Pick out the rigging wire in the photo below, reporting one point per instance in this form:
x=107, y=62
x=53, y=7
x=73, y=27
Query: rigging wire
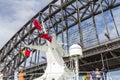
x=104, y=20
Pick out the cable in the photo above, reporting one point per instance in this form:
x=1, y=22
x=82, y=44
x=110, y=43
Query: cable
x=104, y=20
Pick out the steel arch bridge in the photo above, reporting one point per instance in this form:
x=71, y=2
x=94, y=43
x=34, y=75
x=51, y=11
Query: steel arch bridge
x=73, y=21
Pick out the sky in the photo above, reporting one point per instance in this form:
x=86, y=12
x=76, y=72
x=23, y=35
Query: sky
x=14, y=14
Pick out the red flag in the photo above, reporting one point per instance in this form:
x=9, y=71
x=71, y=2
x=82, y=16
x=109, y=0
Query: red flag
x=47, y=37
x=37, y=25
x=27, y=53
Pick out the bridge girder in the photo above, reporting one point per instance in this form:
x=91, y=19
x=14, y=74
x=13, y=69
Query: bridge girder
x=58, y=18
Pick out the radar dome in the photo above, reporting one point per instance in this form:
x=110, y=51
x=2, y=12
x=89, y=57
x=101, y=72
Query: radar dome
x=75, y=50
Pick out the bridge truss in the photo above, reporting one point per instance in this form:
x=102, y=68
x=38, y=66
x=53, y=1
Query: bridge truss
x=73, y=21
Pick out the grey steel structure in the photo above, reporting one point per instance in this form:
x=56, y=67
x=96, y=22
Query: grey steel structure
x=73, y=21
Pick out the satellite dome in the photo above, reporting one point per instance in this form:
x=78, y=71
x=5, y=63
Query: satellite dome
x=75, y=50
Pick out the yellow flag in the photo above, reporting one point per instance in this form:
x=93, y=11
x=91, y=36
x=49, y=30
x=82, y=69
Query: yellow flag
x=22, y=52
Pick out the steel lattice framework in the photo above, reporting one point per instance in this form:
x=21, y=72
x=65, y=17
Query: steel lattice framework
x=65, y=18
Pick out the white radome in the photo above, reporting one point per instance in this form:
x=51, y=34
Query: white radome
x=75, y=50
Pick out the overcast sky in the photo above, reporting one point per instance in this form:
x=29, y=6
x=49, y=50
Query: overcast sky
x=14, y=14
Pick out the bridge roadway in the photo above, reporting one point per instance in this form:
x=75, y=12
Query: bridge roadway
x=110, y=52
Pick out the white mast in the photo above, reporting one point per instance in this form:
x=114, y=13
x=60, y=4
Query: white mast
x=56, y=68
